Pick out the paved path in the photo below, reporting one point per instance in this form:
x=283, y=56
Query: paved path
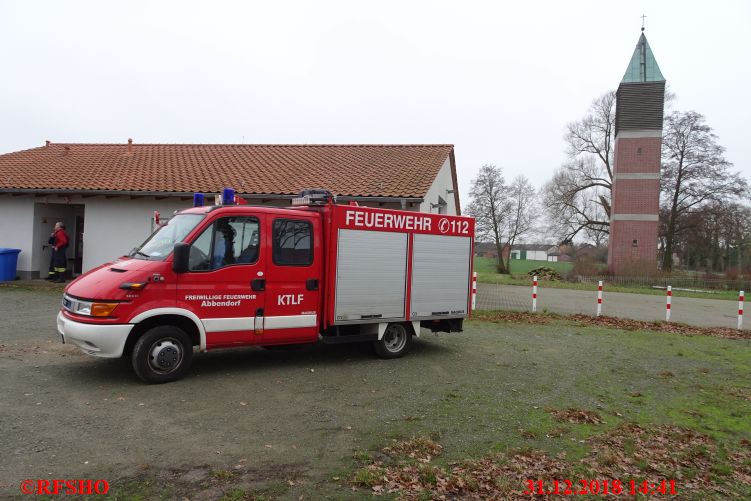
x=700, y=312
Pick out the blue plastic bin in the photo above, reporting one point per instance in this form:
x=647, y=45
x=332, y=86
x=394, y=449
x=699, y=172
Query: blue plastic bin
x=8, y=264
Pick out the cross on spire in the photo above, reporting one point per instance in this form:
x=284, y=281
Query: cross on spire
x=643, y=17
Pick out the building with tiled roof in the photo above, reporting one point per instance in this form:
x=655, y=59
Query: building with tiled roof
x=113, y=189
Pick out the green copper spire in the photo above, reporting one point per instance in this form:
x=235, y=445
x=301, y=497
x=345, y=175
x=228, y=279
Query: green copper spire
x=643, y=66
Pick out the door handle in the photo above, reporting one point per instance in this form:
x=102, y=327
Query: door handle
x=258, y=284
x=312, y=284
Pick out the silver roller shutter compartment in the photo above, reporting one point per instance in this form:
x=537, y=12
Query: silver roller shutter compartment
x=440, y=276
x=371, y=274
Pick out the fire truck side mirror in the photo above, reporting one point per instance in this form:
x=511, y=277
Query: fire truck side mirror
x=180, y=257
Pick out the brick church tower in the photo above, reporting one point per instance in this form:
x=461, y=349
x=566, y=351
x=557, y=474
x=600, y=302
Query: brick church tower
x=632, y=248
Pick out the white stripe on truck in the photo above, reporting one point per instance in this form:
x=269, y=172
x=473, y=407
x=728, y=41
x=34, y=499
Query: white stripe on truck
x=289, y=322
x=228, y=324
x=248, y=323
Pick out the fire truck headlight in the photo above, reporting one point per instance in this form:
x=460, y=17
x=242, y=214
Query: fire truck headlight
x=82, y=308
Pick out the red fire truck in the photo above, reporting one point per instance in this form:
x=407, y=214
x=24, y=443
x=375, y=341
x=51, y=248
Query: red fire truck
x=237, y=275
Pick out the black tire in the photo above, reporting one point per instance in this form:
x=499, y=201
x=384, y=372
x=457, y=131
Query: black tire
x=396, y=341
x=162, y=354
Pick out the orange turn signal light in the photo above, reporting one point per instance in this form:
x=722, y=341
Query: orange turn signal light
x=133, y=286
x=102, y=309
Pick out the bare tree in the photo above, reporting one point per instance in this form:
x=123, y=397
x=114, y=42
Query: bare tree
x=572, y=210
x=503, y=213
x=489, y=207
x=715, y=237
x=578, y=197
x=694, y=173
x=521, y=213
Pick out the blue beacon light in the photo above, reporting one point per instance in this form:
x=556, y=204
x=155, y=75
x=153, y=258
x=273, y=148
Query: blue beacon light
x=228, y=196
x=198, y=200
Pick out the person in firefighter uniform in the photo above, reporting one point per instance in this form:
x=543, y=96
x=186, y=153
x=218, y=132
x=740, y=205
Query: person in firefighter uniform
x=58, y=261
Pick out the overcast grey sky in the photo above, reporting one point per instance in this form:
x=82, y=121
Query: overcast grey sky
x=500, y=80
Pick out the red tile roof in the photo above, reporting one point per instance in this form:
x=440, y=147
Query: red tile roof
x=353, y=170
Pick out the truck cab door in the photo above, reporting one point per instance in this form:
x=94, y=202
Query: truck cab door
x=294, y=280
x=225, y=285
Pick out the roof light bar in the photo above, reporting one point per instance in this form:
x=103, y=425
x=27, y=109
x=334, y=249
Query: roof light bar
x=313, y=197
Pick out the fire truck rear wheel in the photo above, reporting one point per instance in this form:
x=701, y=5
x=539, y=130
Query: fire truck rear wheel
x=162, y=354
x=395, y=343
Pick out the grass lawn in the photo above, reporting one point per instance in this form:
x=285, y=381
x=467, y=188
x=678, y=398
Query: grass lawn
x=487, y=266
x=507, y=387
x=486, y=273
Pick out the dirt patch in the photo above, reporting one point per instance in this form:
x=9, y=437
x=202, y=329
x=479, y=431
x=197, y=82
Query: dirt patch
x=233, y=481
x=612, y=323
x=419, y=448
x=742, y=393
x=578, y=416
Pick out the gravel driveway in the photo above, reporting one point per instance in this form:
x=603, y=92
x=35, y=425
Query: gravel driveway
x=270, y=415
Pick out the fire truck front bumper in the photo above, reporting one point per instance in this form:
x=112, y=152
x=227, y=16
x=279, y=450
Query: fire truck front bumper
x=105, y=341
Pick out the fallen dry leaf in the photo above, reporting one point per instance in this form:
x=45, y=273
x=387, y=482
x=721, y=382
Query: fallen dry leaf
x=579, y=416
x=611, y=322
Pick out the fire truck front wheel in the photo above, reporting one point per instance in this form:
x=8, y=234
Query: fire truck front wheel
x=162, y=354
x=395, y=343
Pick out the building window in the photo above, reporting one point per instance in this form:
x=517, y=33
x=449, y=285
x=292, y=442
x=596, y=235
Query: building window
x=635, y=243
x=293, y=242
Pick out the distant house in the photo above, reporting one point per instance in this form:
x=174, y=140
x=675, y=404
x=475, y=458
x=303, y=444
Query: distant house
x=535, y=252
x=555, y=255
x=486, y=249
x=529, y=252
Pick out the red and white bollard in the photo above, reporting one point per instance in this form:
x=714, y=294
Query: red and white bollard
x=599, y=298
x=474, y=290
x=740, y=310
x=669, y=302
x=534, y=294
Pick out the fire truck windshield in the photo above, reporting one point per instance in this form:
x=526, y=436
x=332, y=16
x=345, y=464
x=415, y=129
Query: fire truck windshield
x=160, y=244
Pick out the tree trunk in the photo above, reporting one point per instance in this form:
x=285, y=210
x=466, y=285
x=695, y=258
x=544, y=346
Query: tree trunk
x=500, y=265
x=667, y=259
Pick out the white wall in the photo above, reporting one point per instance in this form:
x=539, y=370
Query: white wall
x=114, y=226
x=442, y=182
x=532, y=255
x=537, y=255
x=17, y=227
